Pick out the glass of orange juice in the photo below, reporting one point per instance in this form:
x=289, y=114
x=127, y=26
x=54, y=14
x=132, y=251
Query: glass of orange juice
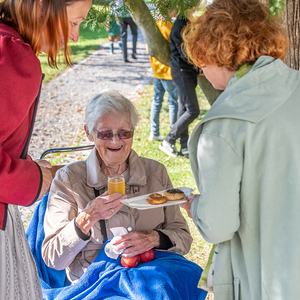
x=116, y=184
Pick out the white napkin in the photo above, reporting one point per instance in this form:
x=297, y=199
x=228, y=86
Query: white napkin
x=187, y=191
x=109, y=249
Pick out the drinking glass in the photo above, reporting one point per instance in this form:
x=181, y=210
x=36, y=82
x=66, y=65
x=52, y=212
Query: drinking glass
x=116, y=184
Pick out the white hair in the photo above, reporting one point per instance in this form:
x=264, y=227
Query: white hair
x=107, y=102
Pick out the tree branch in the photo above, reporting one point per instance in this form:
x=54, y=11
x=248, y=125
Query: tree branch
x=159, y=47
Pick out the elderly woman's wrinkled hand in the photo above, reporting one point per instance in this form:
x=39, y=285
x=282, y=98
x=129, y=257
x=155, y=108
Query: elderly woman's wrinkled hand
x=101, y=208
x=187, y=205
x=137, y=242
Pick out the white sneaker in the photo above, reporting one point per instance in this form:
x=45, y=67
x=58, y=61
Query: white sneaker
x=168, y=148
x=184, y=152
x=153, y=137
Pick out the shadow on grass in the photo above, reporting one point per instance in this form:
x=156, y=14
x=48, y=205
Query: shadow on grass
x=83, y=50
x=87, y=34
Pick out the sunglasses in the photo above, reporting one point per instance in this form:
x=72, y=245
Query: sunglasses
x=108, y=135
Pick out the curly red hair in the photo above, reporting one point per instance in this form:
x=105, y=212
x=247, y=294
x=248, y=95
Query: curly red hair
x=231, y=33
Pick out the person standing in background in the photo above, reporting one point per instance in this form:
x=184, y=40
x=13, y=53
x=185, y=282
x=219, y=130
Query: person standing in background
x=162, y=82
x=114, y=32
x=126, y=20
x=27, y=28
x=185, y=76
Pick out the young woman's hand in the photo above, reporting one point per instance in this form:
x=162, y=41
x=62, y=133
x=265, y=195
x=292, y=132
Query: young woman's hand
x=48, y=172
x=47, y=179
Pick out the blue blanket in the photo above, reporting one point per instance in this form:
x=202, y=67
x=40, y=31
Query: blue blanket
x=168, y=276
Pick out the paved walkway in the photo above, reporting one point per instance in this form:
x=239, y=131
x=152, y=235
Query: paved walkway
x=60, y=117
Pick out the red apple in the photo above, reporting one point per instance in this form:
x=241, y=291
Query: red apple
x=130, y=262
x=147, y=256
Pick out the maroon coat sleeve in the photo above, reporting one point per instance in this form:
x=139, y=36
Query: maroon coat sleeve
x=21, y=75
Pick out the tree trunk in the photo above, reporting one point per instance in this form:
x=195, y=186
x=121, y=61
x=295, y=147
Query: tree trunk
x=209, y=91
x=292, y=22
x=159, y=47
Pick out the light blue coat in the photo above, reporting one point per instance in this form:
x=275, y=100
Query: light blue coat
x=245, y=156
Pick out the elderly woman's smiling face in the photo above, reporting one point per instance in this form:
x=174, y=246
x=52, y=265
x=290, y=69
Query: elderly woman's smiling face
x=115, y=151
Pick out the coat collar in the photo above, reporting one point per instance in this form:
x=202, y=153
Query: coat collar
x=259, y=98
x=135, y=174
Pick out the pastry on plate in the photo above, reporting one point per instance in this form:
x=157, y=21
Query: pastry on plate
x=156, y=198
x=174, y=194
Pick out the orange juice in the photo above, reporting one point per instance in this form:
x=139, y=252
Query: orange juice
x=116, y=184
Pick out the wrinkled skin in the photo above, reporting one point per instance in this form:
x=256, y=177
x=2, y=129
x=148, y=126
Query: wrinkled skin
x=101, y=208
x=137, y=242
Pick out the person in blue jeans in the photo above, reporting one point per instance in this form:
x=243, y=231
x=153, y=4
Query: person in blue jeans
x=126, y=20
x=160, y=87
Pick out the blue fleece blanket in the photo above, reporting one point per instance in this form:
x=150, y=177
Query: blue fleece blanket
x=168, y=276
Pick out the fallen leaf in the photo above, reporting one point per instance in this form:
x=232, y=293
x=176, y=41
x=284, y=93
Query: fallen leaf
x=167, y=159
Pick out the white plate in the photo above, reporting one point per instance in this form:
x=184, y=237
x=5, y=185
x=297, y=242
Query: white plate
x=140, y=202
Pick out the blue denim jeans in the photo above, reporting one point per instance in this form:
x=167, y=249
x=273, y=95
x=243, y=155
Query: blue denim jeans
x=160, y=87
x=134, y=31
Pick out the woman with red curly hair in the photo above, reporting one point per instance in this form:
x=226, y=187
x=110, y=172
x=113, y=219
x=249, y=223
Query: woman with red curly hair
x=27, y=28
x=245, y=152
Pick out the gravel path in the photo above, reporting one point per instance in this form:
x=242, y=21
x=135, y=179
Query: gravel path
x=60, y=116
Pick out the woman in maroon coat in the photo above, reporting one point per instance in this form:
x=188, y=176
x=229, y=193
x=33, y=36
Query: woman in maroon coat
x=27, y=27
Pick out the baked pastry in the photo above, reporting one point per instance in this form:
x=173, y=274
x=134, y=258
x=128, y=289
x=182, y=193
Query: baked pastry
x=174, y=194
x=156, y=198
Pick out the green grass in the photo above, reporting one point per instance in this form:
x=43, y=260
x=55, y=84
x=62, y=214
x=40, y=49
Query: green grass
x=89, y=41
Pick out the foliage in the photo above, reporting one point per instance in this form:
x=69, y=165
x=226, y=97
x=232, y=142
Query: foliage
x=101, y=9
x=97, y=16
x=276, y=6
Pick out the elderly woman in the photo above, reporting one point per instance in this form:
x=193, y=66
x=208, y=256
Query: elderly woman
x=73, y=235
x=245, y=152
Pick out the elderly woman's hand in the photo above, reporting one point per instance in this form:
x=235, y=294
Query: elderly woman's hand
x=187, y=205
x=101, y=208
x=137, y=242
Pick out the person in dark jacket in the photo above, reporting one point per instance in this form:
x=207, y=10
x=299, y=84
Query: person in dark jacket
x=184, y=75
x=126, y=20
